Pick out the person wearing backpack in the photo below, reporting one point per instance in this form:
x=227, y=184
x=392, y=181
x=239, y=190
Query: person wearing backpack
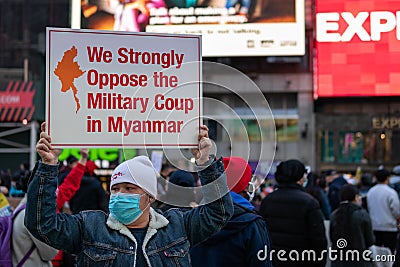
x=17, y=246
x=26, y=250
x=26, y=247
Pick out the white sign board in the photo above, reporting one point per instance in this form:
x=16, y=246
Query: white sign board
x=123, y=89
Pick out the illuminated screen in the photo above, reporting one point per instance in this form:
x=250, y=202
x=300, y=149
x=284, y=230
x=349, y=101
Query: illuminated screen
x=357, y=48
x=228, y=27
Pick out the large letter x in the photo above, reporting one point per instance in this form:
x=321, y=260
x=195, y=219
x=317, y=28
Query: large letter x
x=355, y=26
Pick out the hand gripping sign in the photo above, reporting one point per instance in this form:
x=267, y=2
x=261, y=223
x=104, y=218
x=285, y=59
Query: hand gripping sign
x=123, y=89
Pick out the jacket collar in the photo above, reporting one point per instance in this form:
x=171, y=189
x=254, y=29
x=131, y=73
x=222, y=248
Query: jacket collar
x=157, y=221
x=238, y=199
x=291, y=185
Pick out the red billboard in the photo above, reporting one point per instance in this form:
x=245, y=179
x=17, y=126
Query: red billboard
x=16, y=101
x=357, y=48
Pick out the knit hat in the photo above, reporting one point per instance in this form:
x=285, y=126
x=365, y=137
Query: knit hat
x=182, y=178
x=238, y=173
x=289, y=171
x=138, y=171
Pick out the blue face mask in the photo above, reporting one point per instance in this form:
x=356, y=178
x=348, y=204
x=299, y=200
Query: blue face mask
x=125, y=207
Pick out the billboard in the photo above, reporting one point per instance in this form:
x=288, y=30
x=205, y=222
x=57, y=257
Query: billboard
x=357, y=48
x=16, y=101
x=228, y=27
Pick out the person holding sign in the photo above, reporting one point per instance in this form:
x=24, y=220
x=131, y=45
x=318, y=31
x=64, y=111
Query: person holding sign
x=133, y=234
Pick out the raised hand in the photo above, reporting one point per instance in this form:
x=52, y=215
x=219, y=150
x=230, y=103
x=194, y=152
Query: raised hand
x=44, y=148
x=84, y=155
x=202, y=153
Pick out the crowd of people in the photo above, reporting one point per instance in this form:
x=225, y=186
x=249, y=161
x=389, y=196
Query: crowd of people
x=363, y=212
x=217, y=216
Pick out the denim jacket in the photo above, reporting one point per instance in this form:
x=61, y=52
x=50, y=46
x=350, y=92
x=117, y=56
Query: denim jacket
x=100, y=240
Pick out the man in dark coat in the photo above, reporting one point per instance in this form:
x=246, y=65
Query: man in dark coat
x=91, y=194
x=244, y=240
x=294, y=219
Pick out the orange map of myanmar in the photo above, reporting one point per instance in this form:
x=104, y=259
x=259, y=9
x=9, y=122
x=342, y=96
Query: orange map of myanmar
x=67, y=71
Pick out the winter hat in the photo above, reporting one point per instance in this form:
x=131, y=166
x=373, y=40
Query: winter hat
x=138, y=171
x=289, y=171
x=90, y=167
x=238, y=173
x=182, y=178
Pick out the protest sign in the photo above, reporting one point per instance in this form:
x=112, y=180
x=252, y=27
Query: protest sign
x=122, y=89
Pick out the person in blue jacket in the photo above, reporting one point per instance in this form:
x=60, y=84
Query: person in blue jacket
x=335, y=182
x=133, y=234
x=244, y=241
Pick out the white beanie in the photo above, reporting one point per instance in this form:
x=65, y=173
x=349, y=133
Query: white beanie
x=138, y=171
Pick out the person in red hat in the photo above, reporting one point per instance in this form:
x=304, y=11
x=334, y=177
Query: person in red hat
x=244, y=241
x=239, y=175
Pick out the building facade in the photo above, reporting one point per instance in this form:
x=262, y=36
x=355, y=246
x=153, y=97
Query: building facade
x=284, y=80
x=357, y=85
